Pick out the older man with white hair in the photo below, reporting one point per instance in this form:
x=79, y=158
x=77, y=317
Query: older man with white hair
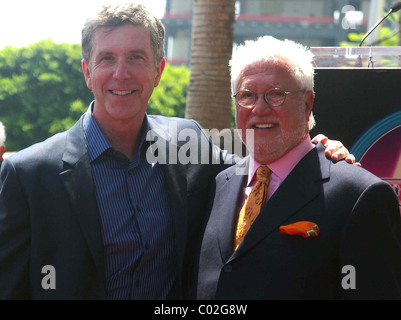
x=296, y=226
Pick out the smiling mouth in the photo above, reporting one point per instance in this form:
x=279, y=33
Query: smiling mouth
x=122, y=93
x=264, y=126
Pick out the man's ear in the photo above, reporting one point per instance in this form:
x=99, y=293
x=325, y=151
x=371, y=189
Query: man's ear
x=309, y=100
x=85, y=70
x=159, y=71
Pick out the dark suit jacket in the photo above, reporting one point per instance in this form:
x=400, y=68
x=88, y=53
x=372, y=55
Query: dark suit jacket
x=49, y=214
x=359, y=220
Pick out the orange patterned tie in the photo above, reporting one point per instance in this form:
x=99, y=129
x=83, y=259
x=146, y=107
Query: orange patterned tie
x=253, y=204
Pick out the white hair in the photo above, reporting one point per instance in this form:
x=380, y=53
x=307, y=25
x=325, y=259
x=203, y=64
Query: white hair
x=2, y=134
x=271, y=50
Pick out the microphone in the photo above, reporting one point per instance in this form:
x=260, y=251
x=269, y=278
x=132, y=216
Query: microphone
x=394, y=8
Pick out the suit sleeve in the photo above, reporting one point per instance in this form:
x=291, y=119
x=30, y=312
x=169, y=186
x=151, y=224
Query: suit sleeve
x=371, y=245
x=14, y=236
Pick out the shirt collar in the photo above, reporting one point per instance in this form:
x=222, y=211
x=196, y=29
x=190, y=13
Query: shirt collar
x=96, y=141
x=283, y=166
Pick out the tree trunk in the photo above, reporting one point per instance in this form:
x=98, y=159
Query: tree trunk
x=209, y=91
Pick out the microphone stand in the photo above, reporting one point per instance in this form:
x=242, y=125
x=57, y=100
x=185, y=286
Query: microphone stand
x=375, y=26
x=394, y=8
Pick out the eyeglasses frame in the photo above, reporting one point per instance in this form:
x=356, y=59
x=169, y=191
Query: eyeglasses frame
x=250, y=107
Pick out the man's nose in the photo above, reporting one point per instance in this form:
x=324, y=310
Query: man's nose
x=261, y=107
x=122, y=71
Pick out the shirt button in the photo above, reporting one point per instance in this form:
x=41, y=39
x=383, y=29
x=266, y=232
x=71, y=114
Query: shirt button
x=228, y=268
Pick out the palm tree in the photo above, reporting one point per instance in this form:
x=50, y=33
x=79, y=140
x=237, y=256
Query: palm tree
x=209, y=93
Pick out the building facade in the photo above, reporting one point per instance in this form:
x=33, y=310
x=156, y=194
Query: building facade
x=313, y=23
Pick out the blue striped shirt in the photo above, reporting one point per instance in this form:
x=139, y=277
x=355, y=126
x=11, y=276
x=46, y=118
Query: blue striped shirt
x=135, y=212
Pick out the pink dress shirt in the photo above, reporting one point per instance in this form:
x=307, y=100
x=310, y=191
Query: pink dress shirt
x=280, y=168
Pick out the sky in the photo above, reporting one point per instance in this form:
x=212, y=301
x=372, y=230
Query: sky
x=23, y=22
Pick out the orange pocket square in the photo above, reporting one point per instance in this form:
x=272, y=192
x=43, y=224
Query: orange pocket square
x=304, y=229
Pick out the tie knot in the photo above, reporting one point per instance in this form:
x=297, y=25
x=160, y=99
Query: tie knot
x=262, y=174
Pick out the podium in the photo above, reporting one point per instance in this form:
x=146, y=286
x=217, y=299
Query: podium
x=358, y=101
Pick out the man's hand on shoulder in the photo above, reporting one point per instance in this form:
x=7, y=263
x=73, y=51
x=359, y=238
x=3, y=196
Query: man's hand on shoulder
x=335, y=150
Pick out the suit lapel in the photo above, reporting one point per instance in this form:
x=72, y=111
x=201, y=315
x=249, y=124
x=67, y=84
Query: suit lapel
x=78, y=182
x=299, y=188
x=176, y=184
x=175, y=174
x=229, y=194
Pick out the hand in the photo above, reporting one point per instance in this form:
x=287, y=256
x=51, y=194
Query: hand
x=335, y=150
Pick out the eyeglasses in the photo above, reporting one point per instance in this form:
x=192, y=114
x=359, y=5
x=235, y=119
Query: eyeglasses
x=275, y=97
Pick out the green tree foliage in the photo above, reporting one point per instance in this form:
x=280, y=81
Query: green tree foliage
x=43, y=91
x=169, y=98
x=388, y=38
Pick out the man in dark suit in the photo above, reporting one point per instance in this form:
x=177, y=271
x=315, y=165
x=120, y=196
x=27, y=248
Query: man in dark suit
x=112, y=208
x=87, y=214
x=326, y=230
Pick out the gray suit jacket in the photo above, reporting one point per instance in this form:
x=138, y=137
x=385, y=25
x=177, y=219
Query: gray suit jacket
x=49, y=214
x=359, y=220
